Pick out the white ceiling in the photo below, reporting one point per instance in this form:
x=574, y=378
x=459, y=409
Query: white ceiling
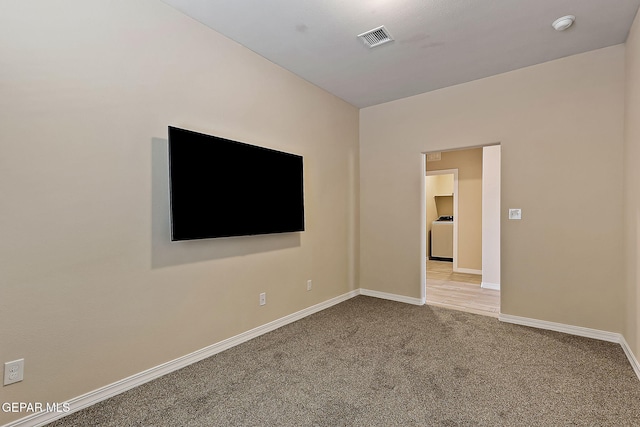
x=438, y=43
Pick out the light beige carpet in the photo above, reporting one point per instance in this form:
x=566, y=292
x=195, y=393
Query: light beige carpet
x=371, y=362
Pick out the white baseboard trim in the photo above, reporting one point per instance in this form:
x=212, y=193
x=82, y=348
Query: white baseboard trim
x=467, y=271
x=489, y=285
x=103, y=393
x=579, y=331
x=561, y=327
x=392, y=297
x=632, y=358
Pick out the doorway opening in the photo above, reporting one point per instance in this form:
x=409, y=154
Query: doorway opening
x=442, y=208
x=461, y=229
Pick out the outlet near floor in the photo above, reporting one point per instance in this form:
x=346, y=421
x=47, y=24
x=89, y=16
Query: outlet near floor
x=13, y=371
x=309, y=285
x=263, y=298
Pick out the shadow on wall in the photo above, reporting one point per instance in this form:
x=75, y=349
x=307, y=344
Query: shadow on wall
x=165, y=253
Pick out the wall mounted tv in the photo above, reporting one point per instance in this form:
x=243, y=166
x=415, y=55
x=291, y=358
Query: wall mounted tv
x=224, y=188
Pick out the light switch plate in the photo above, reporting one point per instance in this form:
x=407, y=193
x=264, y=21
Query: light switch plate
x=515, y=213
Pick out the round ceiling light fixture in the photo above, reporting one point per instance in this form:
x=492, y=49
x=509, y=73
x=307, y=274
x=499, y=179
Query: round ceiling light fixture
x=563, y=23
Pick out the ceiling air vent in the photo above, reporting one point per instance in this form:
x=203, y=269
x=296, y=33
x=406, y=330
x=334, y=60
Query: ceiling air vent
x=376, y=37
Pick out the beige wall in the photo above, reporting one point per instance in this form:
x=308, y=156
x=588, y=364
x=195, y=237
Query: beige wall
x=92, y=291
x=469, y=165
x=632, y=188
x=560, y=125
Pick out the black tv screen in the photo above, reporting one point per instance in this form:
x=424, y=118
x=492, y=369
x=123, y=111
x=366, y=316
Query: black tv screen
x=224, y=188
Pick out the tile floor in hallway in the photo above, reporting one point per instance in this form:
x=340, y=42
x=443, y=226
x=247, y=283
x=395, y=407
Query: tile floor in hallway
x=459, y=291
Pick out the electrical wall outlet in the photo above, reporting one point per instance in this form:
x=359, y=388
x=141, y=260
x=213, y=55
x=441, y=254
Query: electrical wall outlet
x=13, y=371
x=263, y=298
x=309, y=285
x=515, y=213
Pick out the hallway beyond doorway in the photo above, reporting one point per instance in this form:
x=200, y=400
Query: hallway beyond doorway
x=459, y=291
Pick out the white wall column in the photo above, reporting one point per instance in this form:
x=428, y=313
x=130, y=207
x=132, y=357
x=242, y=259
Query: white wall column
x=491, y=217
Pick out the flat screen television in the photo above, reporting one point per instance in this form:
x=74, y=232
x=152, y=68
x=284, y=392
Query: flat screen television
x=224, y=188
